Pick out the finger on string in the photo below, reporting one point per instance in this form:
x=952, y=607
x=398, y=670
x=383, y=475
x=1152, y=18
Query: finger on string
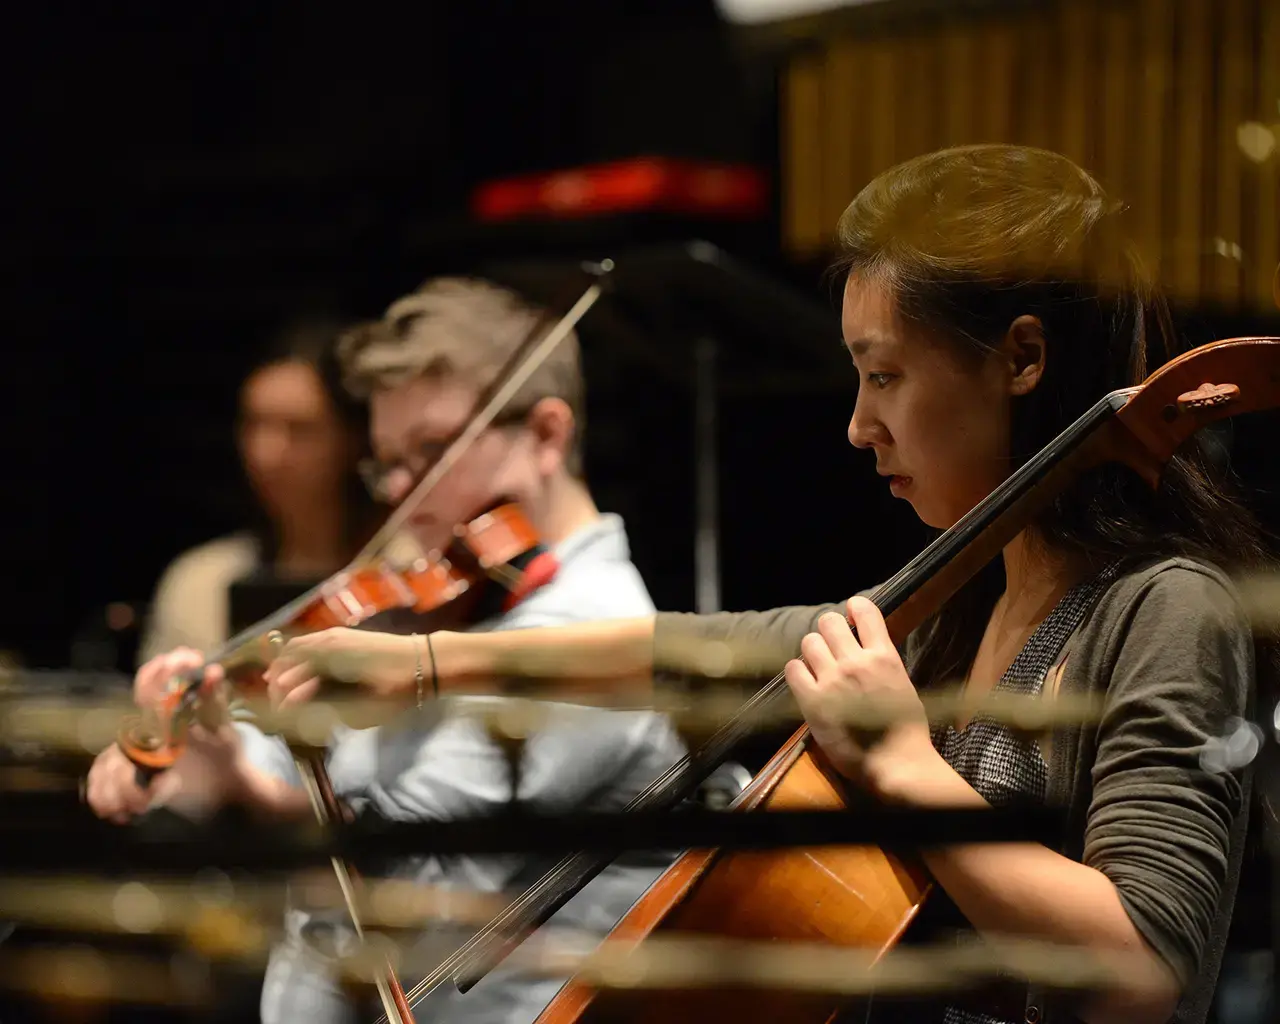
x=151, y=682
x=799, y=677
x=838, y=634
x=818, y=657
x=869, y=623
x=214, y=677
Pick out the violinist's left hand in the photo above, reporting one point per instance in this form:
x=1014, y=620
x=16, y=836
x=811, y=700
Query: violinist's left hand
x=837, y=665
x=382, y=662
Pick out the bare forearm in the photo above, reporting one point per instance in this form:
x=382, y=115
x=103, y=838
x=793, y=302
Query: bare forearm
x=617, y=654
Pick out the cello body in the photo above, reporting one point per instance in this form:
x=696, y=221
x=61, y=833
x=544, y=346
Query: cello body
x=852, y=896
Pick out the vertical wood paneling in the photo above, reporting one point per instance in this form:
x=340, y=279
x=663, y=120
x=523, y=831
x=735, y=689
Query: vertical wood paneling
x=1186, y=245
x=882, y=115
x=912, y=74
x=1234, y=103
x=996, y=53
x=1152, y=160
x=1037, y=121
x=1267, y=174
x=1114, y=165
x=844, y=108
x=958, y=92
x=869, y=92
x=1079, y=66
x=1146, y=94
x=804, y=152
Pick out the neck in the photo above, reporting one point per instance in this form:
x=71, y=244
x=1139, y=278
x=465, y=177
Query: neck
x=311, y=542
x=564, y=508
x=1036, y=576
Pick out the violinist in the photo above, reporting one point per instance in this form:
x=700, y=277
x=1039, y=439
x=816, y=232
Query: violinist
x=300, y=437
x=989, y=299
x=423, y=366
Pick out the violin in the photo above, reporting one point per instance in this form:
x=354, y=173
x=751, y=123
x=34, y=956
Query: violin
x=857, y=897
x=492, y=562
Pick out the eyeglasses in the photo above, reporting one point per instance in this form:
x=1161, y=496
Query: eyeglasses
x=379, y=476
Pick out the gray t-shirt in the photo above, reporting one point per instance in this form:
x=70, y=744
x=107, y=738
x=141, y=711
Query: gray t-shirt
x=427, y=769
x=1169, y=647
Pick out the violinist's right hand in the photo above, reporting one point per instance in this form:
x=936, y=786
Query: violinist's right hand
x=384, y=663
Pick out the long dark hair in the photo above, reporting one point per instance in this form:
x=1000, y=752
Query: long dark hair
x=312, y=341
x=967, y=240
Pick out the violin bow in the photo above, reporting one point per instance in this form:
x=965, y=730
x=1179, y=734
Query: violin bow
x=532, y=351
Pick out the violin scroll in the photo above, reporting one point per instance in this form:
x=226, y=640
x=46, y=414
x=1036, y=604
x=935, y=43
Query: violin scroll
x=155, y=739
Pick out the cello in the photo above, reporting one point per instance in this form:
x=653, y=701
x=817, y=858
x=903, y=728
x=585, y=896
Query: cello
x=861, y=897
x=492, y=562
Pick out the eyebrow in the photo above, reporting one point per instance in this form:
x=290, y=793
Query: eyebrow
x=860, y=346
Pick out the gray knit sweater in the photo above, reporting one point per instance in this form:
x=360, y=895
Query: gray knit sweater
x=1169, y=647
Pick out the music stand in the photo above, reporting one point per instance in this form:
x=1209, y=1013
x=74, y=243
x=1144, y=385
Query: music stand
x=696, y=290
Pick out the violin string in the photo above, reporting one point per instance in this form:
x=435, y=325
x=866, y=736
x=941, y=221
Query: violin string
x=475, y=427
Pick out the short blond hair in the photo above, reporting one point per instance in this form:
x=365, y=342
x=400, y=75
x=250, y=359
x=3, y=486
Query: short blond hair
x=466, y=328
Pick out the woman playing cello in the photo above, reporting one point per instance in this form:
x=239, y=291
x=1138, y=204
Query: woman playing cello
x=989, y=300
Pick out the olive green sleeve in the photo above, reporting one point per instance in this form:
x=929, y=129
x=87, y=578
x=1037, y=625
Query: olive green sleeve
x=1163, y=817
x=741, y=645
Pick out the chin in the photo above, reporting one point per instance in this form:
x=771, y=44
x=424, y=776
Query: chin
x=936, y=518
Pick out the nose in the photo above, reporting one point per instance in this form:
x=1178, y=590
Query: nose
x=267, y=449
x=396, y=485
x=864, y=430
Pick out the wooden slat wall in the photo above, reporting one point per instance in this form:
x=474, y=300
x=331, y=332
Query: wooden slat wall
x=1148, y=95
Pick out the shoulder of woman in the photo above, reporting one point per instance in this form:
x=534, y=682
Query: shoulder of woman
x=1179, y=616
x=1180, y=586
x=216, y=561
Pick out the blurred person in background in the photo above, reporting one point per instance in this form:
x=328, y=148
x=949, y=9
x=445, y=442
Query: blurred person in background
x=300, y=438
x=424, y=366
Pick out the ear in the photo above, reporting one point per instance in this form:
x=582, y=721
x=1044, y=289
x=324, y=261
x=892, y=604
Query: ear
x=551, y=422
x=1024, y=354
